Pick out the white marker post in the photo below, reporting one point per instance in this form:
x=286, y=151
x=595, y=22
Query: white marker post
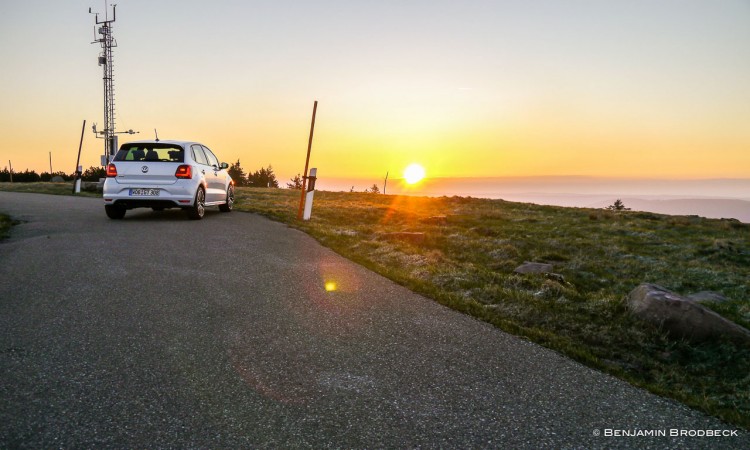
x=77, y=178
x=77, y=188
x=310, y=192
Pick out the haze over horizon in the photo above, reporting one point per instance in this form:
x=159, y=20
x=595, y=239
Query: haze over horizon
x=480, y=88
x=717, y=198
x=571, y=185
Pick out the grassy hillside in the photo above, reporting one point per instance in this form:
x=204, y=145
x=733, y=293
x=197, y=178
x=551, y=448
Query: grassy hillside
x=466, y=262
x=64, y=188
x=467, y=259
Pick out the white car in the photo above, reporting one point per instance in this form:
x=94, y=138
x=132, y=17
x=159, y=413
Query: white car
x=166, y=174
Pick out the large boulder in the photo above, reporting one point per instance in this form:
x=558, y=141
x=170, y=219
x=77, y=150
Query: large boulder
x=707, y=297
x=681, y=316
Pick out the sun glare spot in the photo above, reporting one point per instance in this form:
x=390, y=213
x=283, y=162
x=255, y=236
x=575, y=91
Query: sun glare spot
x=330, y=286
x=414, y=173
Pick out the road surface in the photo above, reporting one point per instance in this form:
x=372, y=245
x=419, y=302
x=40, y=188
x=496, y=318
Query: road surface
x=157, y=331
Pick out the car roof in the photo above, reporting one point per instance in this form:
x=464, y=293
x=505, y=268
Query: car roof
x=162, y=141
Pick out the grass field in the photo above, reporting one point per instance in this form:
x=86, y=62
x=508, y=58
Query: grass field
x=65, y=188
x=466, y=262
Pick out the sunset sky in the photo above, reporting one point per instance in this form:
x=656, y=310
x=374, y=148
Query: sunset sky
x=650, y=89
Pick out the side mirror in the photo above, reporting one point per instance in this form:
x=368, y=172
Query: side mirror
x=224, y=166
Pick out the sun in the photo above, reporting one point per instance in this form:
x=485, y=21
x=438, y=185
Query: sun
x=414, y=173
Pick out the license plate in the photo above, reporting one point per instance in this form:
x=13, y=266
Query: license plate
x=144, y=192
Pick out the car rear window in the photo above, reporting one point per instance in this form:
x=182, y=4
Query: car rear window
x=151, y=152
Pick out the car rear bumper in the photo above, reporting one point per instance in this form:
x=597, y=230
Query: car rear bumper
x=178, y=195
x=141, y=203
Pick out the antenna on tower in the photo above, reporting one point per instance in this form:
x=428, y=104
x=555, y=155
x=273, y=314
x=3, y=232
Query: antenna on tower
x=103, y=36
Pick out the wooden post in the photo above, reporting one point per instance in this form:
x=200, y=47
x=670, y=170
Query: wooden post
x=385, y=183
x=50, y=164
x=307, y=163
x=10, y=165
x=80, y=144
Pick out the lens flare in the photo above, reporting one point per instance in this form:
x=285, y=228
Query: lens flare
x=414, y=173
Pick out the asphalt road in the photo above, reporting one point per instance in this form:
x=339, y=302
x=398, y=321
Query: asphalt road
x=157, y=331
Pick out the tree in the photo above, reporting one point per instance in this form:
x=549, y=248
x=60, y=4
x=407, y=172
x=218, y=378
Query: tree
x=238, y=174
x=263, y=178
x=374, y=189
x=46, y=176
x=5, y=175
x=30, y=176
x=27, y=176
x=94, y=173
x=618, y=205
x=295, y=183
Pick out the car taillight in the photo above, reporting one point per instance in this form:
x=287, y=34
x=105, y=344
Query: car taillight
x=184, y=171
x=111, y=170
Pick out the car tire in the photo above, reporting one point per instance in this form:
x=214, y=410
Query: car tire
x=229, y=205
x=198, y=210
x=114, y=212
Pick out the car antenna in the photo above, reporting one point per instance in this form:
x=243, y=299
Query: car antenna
x=157, y=135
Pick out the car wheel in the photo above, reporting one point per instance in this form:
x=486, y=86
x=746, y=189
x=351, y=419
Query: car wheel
x=227, y=207
x=114, y=212
x=198, y=210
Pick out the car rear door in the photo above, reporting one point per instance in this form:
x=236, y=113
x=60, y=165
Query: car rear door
x=206, y=171
x=216, y=182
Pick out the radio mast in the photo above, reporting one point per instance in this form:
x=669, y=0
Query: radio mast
x=103, y=36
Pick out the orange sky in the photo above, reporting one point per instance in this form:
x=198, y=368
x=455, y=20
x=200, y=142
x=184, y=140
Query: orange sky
x=467, y=89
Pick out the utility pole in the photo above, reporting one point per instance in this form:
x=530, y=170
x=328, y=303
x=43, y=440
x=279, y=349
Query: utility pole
x=77, y=177
x=385, y=183
x=307, y=163
x=10, y=165
x=50, y=163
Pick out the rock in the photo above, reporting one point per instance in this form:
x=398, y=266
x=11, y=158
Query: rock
x=90, y=186
x=556, y=277
x=436, y=220
x=405, y=236
x=533, y=267
x=707, y=297
x=682, y=317
x=57, y=179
